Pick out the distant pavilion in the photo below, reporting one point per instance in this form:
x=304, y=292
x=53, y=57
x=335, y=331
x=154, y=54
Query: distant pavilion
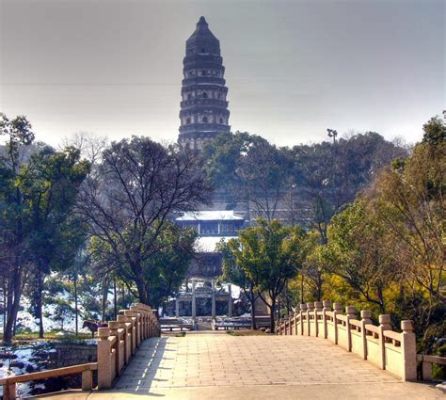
x=199, y=296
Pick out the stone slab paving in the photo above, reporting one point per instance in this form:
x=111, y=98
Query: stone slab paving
x=216, y=366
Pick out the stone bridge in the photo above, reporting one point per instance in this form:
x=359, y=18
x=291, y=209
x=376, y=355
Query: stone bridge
x=319, y=353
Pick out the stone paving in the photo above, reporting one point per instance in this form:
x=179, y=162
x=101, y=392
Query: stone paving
x=221, y=366
x=224, y=360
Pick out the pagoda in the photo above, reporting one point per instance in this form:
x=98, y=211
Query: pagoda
x=204, y=109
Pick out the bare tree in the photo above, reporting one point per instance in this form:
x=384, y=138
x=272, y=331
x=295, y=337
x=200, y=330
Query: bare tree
x=130, y=197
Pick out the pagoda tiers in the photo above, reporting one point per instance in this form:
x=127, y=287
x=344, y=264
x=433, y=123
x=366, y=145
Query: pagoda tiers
x=204, y=109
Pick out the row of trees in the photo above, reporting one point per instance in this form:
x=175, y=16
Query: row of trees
x=322, y=177
x=385, y=251
x=106, y=216
x=38, y=232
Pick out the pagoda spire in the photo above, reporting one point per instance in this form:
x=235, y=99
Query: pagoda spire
x=204, y=109
x=202, y=22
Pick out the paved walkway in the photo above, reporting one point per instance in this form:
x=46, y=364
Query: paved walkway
x=220, y=366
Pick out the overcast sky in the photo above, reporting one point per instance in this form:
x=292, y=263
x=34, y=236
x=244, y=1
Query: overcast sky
x=293, y=68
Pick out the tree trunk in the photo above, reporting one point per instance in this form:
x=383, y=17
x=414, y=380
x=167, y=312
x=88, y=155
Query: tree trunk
x=76, y=310
x=143, y=294
x=104, y=298
x=123, y=304
x=115, y=299
x=272, y=315
x=5, y=303
x=15, y=295
x=252, y=300
x=301, y=288
x=10, y=296
x=253, y=316
x=39, y=302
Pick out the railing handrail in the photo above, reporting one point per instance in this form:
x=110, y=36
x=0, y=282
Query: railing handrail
x=392, y=335
x=372, y=328
x=50, y=373
x=380, y=345
x=117, y=343
x=426, y=362
x=439, y=360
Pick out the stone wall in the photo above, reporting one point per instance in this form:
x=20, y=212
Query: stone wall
x=73, y=354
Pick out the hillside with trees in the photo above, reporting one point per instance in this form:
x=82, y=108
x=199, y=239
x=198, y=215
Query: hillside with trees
x=358, y=219
x=305, y=184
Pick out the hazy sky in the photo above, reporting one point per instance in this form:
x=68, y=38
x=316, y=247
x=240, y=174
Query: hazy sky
x=293, y=68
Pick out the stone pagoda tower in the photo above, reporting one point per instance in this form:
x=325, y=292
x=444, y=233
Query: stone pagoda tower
x=204, y=110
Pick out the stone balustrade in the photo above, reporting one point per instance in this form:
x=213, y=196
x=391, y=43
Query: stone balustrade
x=119, y=341
x=380, y=345
x=117, y=344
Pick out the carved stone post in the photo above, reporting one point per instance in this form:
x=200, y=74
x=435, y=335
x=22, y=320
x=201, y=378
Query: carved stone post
x=327, y=307
x=132, y=321
x=87, y=380
x=366, y=316
x=104, y=365
x=10, y=391
x=337, y=309
x=137, y=315
x=409, y=349
x=351, y=313
x=122, y=320
x=384, y=325
x=119, y=359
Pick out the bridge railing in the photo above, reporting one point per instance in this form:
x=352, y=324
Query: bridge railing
x=117, y=344
x=378, y=344
x=427, y=362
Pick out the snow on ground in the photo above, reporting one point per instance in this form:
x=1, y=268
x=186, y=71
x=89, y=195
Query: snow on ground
x=20, y=365
x=26, y=321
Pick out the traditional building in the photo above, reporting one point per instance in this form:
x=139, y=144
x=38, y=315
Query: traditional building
x=200, y=296
x=204, y=109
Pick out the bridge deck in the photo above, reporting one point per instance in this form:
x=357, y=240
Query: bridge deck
x=220, y=366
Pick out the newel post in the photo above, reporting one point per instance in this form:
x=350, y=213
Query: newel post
x=337, y=309
x=119, y=360
x=104, y=365
x=384, y=325
x=122, y=321
x=137, y=314
x=327, y=307
x=132, y=320
x=142, y=309
x=366, y=319
x=409, y=350
x=10, y=391
x=351, y=313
